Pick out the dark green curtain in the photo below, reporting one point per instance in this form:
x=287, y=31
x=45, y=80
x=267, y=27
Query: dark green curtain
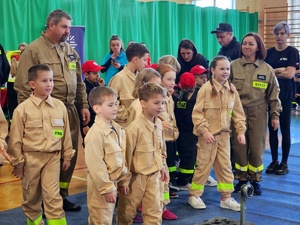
x=161, y=25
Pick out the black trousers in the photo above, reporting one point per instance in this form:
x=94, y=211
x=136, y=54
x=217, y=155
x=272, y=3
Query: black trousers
x=187, y=149
x=285, y=128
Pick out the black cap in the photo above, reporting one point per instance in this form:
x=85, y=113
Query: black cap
x=223, y=27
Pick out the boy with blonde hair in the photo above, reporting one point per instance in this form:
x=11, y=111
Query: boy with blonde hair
x=146, y=157
x=39, y=138
x=105, y=157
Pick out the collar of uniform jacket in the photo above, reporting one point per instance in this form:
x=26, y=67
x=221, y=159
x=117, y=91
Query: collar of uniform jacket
x=149, y=124
x=244, y=62
x=38, y=101
x=218, y=86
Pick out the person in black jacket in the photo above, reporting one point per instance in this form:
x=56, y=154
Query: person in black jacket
x=188, y=57
x=230, y=47
x=4, y=67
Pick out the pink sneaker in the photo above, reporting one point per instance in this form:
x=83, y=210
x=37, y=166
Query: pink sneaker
x=140, y=208
x=168, y=215
x=138, y=219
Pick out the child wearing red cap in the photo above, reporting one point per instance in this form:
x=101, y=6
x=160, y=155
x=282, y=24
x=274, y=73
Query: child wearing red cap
x=200, y=74
x=91, y=72
x=186, y=142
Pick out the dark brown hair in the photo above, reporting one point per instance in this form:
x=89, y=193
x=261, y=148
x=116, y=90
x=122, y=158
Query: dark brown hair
x=262, y=51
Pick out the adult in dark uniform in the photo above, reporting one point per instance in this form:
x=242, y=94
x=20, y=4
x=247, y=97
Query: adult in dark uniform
x=52, y=49
x=230, y=46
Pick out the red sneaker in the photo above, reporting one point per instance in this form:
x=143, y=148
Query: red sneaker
x=140, y=208
x=168, y=215
x=138, y=219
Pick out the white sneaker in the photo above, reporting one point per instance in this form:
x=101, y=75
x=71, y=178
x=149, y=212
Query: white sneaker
x=196, y=202
x=185, y=187
x=211, y=182
x=230, y=203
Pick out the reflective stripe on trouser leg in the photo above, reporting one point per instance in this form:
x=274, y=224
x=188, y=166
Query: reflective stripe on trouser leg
x=37, y=221
x=61, y=221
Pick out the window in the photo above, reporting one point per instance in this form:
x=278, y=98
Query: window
x=223, y=4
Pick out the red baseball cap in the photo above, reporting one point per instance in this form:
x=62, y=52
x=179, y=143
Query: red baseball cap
x=91, y=66
x=187, y=80
x=198, y=69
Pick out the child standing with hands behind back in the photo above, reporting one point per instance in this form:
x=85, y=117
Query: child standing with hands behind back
x=217, y=103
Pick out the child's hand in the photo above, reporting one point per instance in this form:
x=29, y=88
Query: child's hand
x=85, y=129
x=241, y=139
x=208, y=137
x=101, y=82
x=66, y=164
x=111, y=197
x=275, y=124
x=167, y=125
x=297, y=95
x=164, y=175
x=123, y=189
x=18, y=172
x=3, y=155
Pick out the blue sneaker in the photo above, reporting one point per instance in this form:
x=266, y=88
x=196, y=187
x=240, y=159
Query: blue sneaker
x=257, y=188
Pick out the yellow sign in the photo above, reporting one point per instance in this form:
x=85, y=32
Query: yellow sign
x=72, y=66
x=181, y=105
x=58, y=133
x=261, y=85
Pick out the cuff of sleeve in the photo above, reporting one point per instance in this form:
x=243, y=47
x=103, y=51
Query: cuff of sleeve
x=68, y=155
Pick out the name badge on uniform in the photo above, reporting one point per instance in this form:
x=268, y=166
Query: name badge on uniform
x=58, y=133
x=72, y=57
x=181, y=105
x=58, y=122
x=260, y=85
x=72, y=65
x=261, y=77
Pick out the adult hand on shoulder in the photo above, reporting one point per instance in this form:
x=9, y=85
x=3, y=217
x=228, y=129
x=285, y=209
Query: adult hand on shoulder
x=85, y=113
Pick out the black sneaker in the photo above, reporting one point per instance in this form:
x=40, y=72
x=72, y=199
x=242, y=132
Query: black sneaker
x=272, y=167
x=282, y=169
x=257, y=188
x=70, y=206
x=237, y=187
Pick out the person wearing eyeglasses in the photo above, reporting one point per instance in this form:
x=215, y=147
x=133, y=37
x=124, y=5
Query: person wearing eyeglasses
x=115, y=60
x=285, y=61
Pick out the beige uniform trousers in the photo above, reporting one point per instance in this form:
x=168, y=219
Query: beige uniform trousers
x=249, y=157
x=65, y=176
x=216, y=154
x=145, y=189
x=41, y=181
x=100, y=211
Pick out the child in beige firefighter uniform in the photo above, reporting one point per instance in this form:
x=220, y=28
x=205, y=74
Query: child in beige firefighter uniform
x=39, y=138
x=258, y=88
x=146, y=157
x=105, y=158
x=123, y=82
x=217, y=103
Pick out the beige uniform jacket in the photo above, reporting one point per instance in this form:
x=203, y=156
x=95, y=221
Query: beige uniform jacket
x=134, y=110
x=123, y=84
x=65, y=64
x=256, y=84
x=145, y=146
x=39, y=126
x=214, y=114
x=105, y=156
x=168, y=115
x=3, y=129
